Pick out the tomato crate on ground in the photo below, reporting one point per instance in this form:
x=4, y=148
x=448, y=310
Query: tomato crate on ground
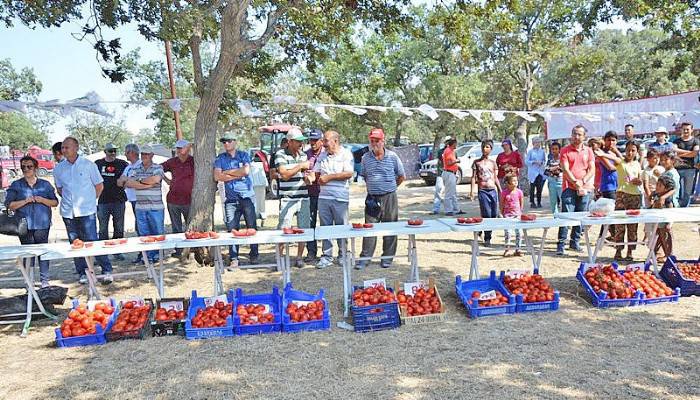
x=290, y=295
x=407, y=319
x=141, y=333
x=601, y=300
x=175, y=327
x=674, y=277
x=272, y=299
x=522, y=307
x=86, y=340
x=644, y=300
x=192, y=332
x=376, y=317
x=465, y=289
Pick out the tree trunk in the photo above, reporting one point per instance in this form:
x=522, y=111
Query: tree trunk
x=397, y=137
x=436, y=143
x=204, y=189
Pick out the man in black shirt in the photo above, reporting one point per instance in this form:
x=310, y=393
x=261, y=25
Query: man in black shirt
x=112, y=200
x=687, y=148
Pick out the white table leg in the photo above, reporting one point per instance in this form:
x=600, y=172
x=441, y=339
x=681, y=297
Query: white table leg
x=530, y=249
x=287, y=269
x=413, y=257
x=348, y=264
x=541, y=249
x=218, y=268
x=27, y=271
x=161, y=279
x=651, y=243
x=599, y=243
x=151, y=272
x=474, y=271
x=92, y=280
x=585, y=229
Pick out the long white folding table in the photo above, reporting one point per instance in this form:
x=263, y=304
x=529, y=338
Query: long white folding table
x=496, y=224
x=26, y=256
x=618, y=217
x=63, y=250
x=261, y=237
x=399, y=228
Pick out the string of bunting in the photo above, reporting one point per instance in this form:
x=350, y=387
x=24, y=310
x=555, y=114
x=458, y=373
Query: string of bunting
x=92, y=103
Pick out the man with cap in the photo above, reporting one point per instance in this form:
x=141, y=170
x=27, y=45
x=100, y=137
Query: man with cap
x=316, y=149
x=383, y=172
x=181, y=168
x=146, y=179
x=661, y=145
x=112, y=199
x=79, y=184
x=438, y=198
x=292, y=163
x=232, y=167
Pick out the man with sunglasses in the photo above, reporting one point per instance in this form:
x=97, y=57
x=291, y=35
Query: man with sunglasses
x=113, y=198
x=79, y=184
x=232, y=167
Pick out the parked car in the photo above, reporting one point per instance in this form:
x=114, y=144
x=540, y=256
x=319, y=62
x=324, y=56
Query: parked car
x=467, y=153
x=426, y=152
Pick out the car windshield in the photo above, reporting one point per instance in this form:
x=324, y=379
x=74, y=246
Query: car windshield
x=463, y=150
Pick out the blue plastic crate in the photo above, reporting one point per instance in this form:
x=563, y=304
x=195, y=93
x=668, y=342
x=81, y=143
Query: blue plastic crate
x=291, y=295
x=465, y=289
x=674, y=298
x=522, y=307
x=273, y=299
x=206, y=333
x=376, y=317
x=601, y=300
x=86, y=340
x=674, y=278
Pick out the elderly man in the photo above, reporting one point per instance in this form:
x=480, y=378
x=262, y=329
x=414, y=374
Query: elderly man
x=578, y=166
x=316, y=149
x=383, y=172
x=232, y=167
x=333, y=171
x=294, y=196
x=80, y=184
x=133, y=156
x=181, y=168
x=146, y=180
x=687, y=148
x=113, y=197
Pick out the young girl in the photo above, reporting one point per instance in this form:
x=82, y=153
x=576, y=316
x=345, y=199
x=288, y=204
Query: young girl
x=651, y=173
x=668, y=161
x=484, y=176
x=662, y=197
x=629, y=197
x=512, y=207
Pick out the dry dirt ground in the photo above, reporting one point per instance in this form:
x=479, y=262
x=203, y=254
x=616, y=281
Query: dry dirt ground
x=578, y=352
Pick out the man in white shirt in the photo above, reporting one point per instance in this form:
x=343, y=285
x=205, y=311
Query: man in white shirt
x=79, y=183
x=333, y=171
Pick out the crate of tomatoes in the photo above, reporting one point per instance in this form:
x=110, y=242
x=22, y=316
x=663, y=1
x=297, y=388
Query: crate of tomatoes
x=684, y=274
x=304, y=311
x=420, y=303
x=209, y=317
x=170, y=316
x=374, y=307
x=86, y=324
x=532, y=291
x=607, y=287
x=257, y=313
x=484, y=297
x=653, y=289
x=132, y=320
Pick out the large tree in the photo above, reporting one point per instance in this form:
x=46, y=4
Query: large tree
x=240, y=30
x=17, y=130
x=94, y=132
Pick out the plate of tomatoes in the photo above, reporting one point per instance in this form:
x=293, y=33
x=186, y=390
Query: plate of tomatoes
x=597, y=214
x=151, y=239
x=414, y=223
x=469, y=220
x=292, y=231
x=244, y=232
x=633, y=213
x=199, y=235
x=528, y=218
x=78, y=244
x=362, y=225
x=115, y=242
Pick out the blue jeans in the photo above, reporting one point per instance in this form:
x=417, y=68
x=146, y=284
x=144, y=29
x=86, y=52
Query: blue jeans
x=85, y=229
x=38, y=236
x=312, y=246
x=233, y=210
x=570, y=202
x=151, y=222
x=488, y=205
x=116, y=211
x=554, y=186
x=687, y=181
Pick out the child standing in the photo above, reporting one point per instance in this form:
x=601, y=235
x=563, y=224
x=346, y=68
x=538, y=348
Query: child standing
x=554, y=177
x=651, y=173
x=629, y=197
x=512, y=207
x=484, y=176
x=662, y=197
x=668, y=161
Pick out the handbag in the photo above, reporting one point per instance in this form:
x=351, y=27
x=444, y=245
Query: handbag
x=12, y=224
x=372, y=206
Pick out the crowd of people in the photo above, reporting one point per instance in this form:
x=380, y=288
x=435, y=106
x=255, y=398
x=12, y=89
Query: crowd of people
x=314, y=188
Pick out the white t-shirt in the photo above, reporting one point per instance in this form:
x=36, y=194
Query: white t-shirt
x=130, y=192
x=327, y=164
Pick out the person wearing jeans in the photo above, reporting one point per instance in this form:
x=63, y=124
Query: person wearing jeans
x=484, y=176
x=313, y=153
x=554, y=180
x=332, y=171
x=450, y=167
x=181, y=168
x=687, y=148
x=232, y=168
x=79, y=184
x=146, y=178
x=535, y=161
x=133, y=154
x=113, y=197
x=578, y=166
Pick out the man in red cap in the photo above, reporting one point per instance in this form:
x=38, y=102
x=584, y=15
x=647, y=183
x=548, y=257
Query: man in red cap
x=383, y=173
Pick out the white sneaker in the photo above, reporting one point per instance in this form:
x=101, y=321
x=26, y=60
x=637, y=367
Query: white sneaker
x=233, y=266
x=106, y=279
x=45, y=284
x=324, y=263
x=83, y=278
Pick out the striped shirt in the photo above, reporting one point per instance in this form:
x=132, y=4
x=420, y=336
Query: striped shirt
x=380, y=175
x=294, y=187
x=328, y=164
x=151, y=198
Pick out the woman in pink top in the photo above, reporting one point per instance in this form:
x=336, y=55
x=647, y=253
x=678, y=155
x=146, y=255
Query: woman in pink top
x=512, y=207
x=509, y=162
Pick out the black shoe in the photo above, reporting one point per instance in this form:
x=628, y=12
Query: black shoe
x=539, y=205
x=253, y=260
x=460, y=212
x=532, y=205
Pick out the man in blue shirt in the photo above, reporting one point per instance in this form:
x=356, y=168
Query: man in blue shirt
x=383, y=173
x=79, y=184
x=232, y=168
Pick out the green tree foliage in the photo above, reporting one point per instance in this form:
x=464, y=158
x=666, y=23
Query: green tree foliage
x=94, y=132
x=18, y=132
